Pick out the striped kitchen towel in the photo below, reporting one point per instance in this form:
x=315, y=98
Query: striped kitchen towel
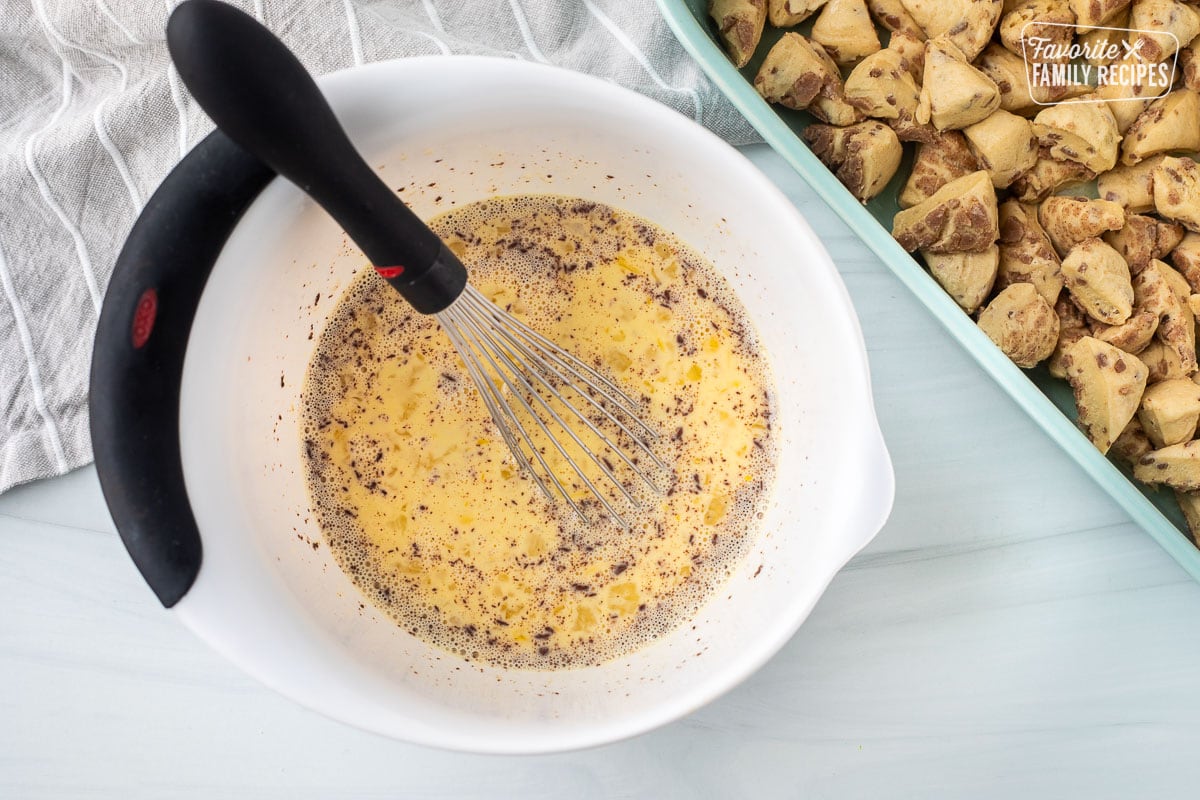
x=92, y=116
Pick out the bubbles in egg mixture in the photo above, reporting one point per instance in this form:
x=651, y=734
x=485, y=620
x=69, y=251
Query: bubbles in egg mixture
x=430, y=516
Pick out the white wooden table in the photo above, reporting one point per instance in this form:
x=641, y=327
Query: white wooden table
x=1009, y=634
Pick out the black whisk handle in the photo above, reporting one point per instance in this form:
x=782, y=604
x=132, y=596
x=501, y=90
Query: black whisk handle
x=261, y=96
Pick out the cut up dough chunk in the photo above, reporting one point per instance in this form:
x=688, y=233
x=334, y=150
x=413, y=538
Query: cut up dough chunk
x=953, y=93
x=968, y=24
x=1034, y=23
x=799, y=74
x=1072, y=326
x=1131, y=187
x=1189, y=504
x=1004, y=145
x=1132, y=444
x=1108, y=386
x=1026, y=255
x=1170, y=411
x=1022, y=324
x=1047, y=176
x=1177, y=190
x=1018, y=93
x=864, y=156
x=1162, y=290
x=1177, y=466
x=1168, y=124
x=1162, y=27
x=1103, y=45
x=892, y=15
x=845, y=30
x=882, y=87
x=1189, y=65
x=1163, y=363
x=1186, y=258
x=1084, y=131
x=961, y=217
x=1070, y=220
x=1096, y=12
x=967, y=277
x=1127, y=99
x=1133, y=335
x=1144, y=239
x=786, y=13
x=942, y=159
x=740, y=25
x=1099, y=282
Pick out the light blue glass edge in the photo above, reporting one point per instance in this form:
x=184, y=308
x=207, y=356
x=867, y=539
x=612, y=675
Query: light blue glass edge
x=693, y=35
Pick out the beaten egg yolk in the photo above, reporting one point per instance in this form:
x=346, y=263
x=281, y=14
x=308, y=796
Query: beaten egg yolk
x=428, y=512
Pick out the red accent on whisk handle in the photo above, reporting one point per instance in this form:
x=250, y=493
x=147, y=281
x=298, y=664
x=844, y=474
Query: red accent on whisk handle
x=433, y=289
x=262, y=98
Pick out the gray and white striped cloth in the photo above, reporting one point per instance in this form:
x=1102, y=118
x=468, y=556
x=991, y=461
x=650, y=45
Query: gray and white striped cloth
x=92, y=116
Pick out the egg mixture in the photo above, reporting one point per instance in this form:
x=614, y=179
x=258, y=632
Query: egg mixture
x=429, y=514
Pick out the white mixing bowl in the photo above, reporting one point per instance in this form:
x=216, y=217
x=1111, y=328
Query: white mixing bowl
x=451, y=131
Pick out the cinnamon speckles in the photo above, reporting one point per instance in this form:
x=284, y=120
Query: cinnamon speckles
x=427, y=511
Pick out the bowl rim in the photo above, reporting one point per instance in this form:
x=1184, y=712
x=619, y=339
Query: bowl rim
x=203, y=615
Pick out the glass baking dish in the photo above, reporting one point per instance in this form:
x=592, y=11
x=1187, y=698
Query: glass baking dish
x=1046, y=399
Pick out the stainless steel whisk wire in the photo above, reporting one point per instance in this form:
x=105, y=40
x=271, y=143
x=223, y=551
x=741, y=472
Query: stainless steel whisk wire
x=487, y=337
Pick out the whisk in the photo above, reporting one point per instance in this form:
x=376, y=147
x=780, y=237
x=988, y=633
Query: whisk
x=261, y=97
